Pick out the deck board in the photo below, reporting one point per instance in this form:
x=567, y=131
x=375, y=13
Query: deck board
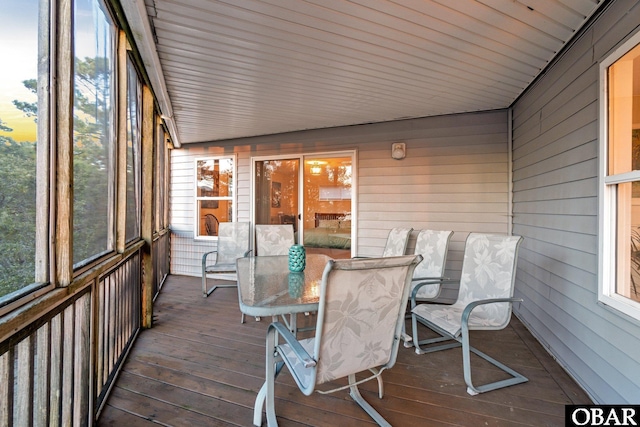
x=199, y=365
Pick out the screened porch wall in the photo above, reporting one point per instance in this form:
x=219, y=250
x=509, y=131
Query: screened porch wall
x=455, y=176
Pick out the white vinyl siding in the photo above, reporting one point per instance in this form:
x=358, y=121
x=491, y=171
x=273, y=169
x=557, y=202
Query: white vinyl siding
x=454, y=177
x=555, y=194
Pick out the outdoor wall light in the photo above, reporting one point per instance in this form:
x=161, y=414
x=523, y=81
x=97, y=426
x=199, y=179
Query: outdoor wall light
x=398, y=150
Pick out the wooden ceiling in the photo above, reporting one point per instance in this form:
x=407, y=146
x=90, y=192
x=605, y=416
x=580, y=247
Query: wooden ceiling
x=239, y=68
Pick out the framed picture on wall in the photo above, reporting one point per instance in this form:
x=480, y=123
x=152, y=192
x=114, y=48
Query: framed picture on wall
x=276, y=193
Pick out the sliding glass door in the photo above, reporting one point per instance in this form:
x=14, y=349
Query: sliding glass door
x=312, y=192
x=327, y=193
x=277, y=191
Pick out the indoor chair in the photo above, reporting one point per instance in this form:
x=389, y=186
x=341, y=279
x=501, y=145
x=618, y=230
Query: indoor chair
x=211, y=225
x=361, y=309
x=484, y=302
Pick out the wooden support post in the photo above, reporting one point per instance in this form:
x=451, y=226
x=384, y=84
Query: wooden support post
x=121, y=144
x=64, y=146
x=148, y=126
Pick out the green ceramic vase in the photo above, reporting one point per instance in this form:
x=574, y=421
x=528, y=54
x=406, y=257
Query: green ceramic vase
x=297, y=258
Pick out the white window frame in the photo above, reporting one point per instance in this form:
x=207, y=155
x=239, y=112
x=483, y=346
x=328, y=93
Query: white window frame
x=233, y=198
x=607, y=264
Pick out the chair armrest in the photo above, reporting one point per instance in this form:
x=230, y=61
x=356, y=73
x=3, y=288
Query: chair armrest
x=469, y=308
x=204, y=257
x=246, y=254
x=426, y=281
x=291, y=340
x=430, y=279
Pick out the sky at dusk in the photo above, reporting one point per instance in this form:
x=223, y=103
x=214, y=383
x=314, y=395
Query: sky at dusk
x=19, y=56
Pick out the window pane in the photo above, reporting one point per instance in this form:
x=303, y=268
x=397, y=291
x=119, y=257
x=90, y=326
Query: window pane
x=92, y=128
x=208, y=178
x=276, y=190
x=215, y=178
x=327, y=202
x=159, y=186
x=214, y=191
x=630, y=287
x=624, y=113
x=18, y=110
x=211, y=213
x=134, y=102
x=226, y=177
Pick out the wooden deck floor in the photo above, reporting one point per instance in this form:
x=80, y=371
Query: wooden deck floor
x=199, y=366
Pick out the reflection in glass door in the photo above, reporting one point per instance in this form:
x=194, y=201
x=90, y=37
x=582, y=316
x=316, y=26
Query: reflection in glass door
x=276, y=191
x=327, y=205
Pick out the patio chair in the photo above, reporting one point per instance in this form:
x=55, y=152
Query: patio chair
x=428, y=276
x=274, y=239
x=484, y=303
x=396, y=243
x=360, y=316
x=271, y=240
x=233, y=243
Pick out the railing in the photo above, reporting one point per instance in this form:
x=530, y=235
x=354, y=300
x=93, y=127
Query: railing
x=59, y=362
x=44, y=368
x=118, y=321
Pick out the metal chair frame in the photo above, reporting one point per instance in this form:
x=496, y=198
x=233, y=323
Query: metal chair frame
x=461, y=337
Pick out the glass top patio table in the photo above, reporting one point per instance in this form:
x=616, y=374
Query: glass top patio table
x=266, y=287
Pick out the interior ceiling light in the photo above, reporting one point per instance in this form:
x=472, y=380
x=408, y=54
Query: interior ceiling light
x=316, y=167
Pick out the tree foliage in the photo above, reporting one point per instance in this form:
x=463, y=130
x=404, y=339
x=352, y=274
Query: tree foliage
x=17, y=214
x=30, y=109
x=92, y=159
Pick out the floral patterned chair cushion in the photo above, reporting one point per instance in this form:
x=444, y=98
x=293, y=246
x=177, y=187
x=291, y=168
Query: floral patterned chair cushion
x=274, y=239
x=433, y=246
x=360, y=314
x=233, y=242
x=397, y=242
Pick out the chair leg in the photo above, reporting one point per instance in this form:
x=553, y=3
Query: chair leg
x=242, y=318
x=206, y=292
x=204, y=284
x=516, y=378
x=376, y=372
x=210, y=291
x=417, y=343
x=273, y=365
x=357, y=397
x=257, y=408
x=406, y=338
